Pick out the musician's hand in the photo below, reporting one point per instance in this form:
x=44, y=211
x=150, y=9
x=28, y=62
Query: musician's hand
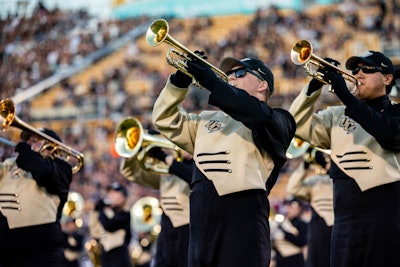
x=24, y=160
x=22, y=146
x=339, y=86
x=315, y=84
x=203, y=74
x=99, y=205
x=153, y=132
x=201, y=54
x=180, y=79
x=332, y=61
x=156, y=152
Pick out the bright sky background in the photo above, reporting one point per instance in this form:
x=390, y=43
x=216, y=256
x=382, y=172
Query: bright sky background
x=155, y=8
x=102, y=8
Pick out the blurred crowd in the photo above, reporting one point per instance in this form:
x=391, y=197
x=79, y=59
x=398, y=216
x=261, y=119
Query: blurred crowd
x=34, y=48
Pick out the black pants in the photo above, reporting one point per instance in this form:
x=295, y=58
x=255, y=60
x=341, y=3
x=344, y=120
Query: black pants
x=319, y=242
x=172, y=245
x=230, y=230
x=34, y=257
x=366, y=232
x=117, y=257
x=33, y=246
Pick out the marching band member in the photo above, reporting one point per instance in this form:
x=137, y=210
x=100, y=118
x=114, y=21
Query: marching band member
x=311, y=182
x=363, y=135
x=238, y=152
x=72, y=242
x=113, y=225
x=173, y=240
x=289, y=236
x=33, y=190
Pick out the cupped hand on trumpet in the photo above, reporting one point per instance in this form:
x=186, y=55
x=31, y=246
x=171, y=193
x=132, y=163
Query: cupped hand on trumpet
x=202, y=73
x=182, y=80
x=339, y=85
x=158, y=153
x=316, y=84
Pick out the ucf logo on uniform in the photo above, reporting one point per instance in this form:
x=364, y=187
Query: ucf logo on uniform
x=213, y=126
x=347, y=123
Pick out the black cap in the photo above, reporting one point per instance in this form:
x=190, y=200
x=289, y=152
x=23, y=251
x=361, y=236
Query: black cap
x=118, y=187
x=371, y=58
x=255, y=64
x=50, y=133
x=26, y=135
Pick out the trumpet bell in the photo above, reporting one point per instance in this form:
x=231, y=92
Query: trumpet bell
x=146, y=215
x=128, y=137
x=130, y=140
x=74, y=206
x=7, y=111
x=297, y=148
x=157, y=33
x=301, y=52
x=300, y=148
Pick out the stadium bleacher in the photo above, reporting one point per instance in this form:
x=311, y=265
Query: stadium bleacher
x=131, y=76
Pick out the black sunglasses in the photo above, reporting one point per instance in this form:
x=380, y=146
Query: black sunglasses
x=241, y=72
x=368, y=69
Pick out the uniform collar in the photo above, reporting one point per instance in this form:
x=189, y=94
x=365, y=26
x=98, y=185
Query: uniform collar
x=379, y=103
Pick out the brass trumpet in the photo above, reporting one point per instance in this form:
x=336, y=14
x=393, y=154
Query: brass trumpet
x=58, y=149
x=146, y=221
x=302, y=53
x=74, y=206
x=157, y=33
x=130, y=140
x=93, y=250
x=146, y=215
x=298, y=147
